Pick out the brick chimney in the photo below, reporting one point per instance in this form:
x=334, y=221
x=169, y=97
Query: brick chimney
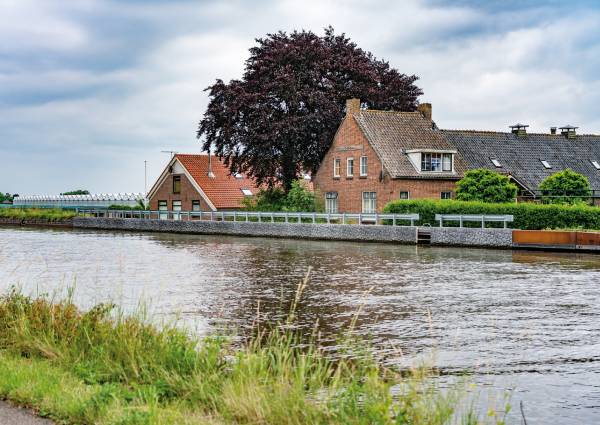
x=352, y=106
x=425, y=110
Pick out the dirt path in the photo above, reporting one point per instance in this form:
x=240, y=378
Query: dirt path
x=10, y=415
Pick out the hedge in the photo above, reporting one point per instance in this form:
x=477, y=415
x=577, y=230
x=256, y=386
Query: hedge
x=527, y=216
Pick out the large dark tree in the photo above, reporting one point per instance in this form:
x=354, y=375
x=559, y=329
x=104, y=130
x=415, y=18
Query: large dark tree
x=280, y=118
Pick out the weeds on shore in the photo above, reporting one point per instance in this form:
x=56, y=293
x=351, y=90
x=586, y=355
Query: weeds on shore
x=36, y=214
x=102, y=367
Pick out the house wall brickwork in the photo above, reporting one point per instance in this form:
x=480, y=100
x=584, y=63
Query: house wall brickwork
x=187, y=194
x=350, y=142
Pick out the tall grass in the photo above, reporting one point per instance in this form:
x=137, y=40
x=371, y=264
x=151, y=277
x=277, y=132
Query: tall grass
x=101, y=366
x=36, y=214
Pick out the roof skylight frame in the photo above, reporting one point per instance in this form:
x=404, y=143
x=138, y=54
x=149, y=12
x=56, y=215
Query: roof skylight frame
x=246, y=192
x=496, y=163
x=596, y=164
x=546, y=164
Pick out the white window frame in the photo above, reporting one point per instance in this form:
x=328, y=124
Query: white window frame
x=596, y=164
x=196, y=205
x=369, y=204
x=350, y=170
x=437, y=156
x=163, y=206
x=246, y=192
x=546, y=164
x=331, y=202
x=496, y=163
x=337, y=166
x=407, y=195
x=445, y=191
x=363, y=166
x=176, y=209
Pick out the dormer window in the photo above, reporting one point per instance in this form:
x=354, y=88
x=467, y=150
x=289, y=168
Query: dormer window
x=436, y=162
x=546, y=164
x=496, y=163
x=596, y=165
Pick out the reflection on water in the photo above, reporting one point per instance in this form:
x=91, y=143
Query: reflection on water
x=523, y=319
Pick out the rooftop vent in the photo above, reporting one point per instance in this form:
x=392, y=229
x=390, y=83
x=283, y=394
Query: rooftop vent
x=519, y=129
x=552, y=130
x=569, y=131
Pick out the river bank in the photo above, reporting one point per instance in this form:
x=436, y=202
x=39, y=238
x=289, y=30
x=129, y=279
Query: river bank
x=103, y=367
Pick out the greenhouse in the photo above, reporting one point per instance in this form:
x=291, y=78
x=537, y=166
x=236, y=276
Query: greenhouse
x=102, y=200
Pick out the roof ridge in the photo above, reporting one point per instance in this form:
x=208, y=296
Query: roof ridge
x=381, y=111
x=508, y=133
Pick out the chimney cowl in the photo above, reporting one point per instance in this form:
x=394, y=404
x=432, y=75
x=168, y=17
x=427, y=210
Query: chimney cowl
x=352, y=106
x=426, y=110
x=569, y=131
x=519, y=129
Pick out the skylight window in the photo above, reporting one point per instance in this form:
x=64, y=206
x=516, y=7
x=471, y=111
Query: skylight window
x=496, y=162
x=246, y=192
x=596, y=165
x=238, y=176
x=545, y=164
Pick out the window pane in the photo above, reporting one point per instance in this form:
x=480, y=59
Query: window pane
x=369, y=202
x=331, y=204
x=425, y=162
x=436, y=162
x=176, y=184
x=363, y=165
x=447, y=162
x=446, y=195
x=336, y=167
x=404, y=195
x=350, y=168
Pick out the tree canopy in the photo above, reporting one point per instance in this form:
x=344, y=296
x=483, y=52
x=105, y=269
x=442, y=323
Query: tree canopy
x=565, y=187
x=6, y=197
x=486, y=186
x=77, y=192
x=279, y=119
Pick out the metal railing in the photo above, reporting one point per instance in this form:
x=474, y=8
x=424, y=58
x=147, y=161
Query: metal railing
x=483, y=219
x=260, y=217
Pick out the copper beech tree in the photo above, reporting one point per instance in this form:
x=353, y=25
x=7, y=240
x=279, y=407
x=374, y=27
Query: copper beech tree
x=279, y=119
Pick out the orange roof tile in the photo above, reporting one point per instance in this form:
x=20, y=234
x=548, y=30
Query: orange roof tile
x=223, y=190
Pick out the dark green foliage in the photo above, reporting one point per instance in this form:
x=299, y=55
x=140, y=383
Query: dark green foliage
x=565, y=187
x=298, y=199
x=527, y=216
x=486, y=186
x=36, y=214
x=126, y=207
x=279, y=119
x=77, y=192
x=6, y=197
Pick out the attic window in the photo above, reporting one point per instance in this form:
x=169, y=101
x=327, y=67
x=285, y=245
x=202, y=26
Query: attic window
x=238, y=176
x=545, y=164
x=246, y=192
x=496, y=162
x=596, y=165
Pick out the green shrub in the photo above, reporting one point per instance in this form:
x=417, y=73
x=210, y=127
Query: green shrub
x=486, y=186
x=527, y=216
x=36, y=214
x=565, y=187
x=298, y=199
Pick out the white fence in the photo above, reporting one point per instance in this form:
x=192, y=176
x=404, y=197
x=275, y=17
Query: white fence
x=260, y=217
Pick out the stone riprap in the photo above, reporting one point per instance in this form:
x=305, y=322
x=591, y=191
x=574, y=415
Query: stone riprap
x=366, y=233
x=495, y=238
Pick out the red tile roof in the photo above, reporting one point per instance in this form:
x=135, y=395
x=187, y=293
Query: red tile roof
x=224, y=190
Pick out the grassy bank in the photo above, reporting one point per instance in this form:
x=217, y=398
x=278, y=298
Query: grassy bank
x=36, y=214
x=103, y=367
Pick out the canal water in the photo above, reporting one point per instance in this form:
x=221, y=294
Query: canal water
x=523, y=322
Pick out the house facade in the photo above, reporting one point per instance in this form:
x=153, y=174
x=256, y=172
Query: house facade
x=377, y=156
x=199, y=183
x=380, y=156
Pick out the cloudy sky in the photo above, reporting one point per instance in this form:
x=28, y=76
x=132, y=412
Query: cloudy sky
x=89, y=89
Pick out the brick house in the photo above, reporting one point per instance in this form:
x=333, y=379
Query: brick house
x=199, y=183
x=380, y=156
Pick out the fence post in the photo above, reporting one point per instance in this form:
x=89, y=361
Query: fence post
x=286, y=217
x=483, y=222
x=343, y=218
x=461, y=221
x=442, y=220
x=314, y=216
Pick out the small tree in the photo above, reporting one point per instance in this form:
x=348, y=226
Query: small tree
x=486, y=186
x=298, y=199
x=565, y=187
x=77, y=192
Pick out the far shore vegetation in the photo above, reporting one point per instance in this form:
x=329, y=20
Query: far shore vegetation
x=36, y=214
x=103, y=367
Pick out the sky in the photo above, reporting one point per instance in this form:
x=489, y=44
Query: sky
x=90, y=89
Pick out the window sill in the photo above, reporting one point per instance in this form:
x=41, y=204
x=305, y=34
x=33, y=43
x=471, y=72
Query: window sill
x=336, y=177
x=349, y=177
x=363, y=177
